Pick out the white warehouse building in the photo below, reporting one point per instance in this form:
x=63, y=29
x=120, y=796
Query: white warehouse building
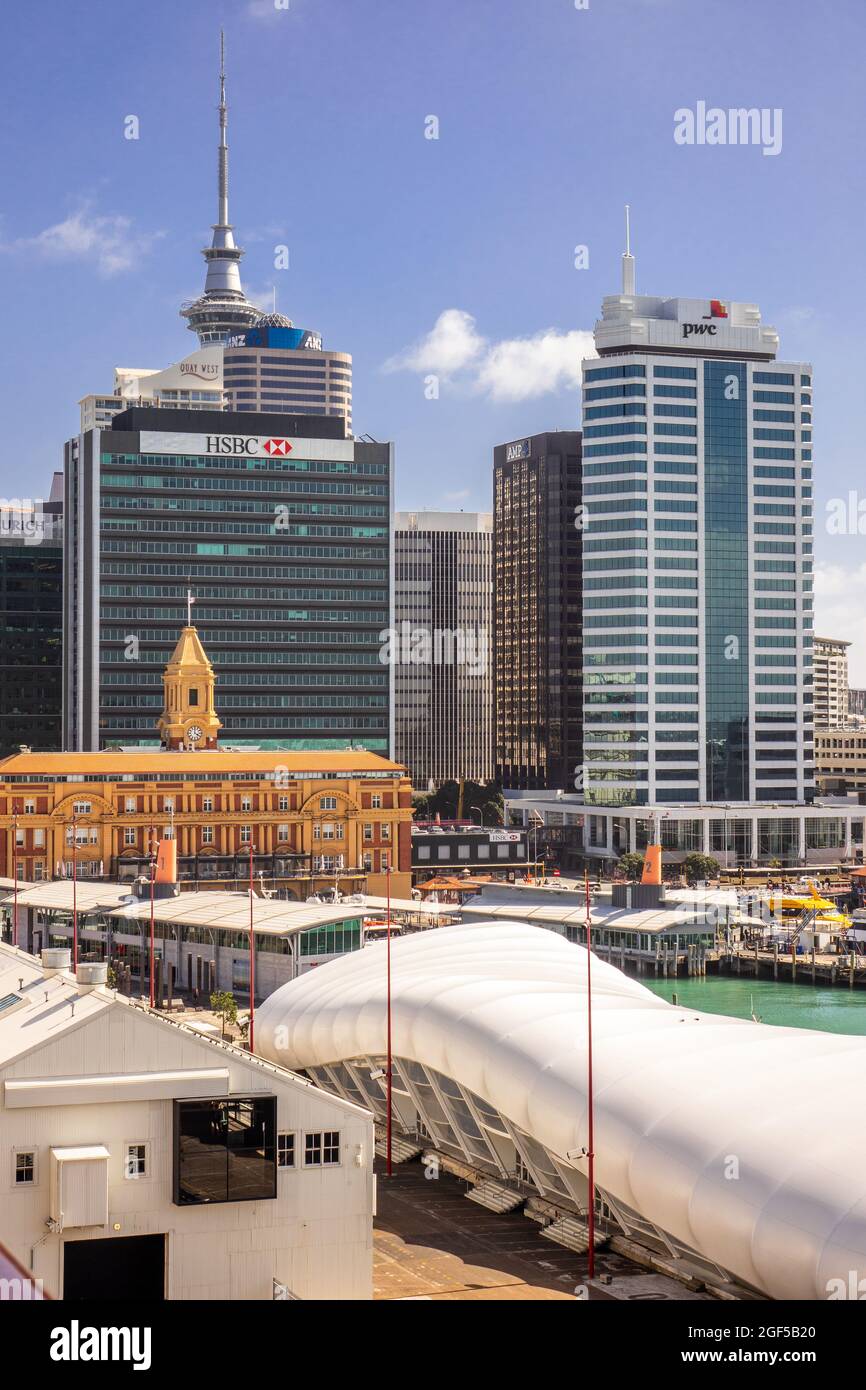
x=144, y=1161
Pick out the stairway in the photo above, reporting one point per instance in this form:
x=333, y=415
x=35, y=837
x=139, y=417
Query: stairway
x=572, y=1232
x=402, y=1150
x=495, y=1197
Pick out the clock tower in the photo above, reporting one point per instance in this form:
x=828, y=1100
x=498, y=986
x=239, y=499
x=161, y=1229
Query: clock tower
x=189, y=719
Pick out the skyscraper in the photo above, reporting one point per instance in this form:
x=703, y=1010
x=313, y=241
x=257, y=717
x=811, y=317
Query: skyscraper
x=443, y=688
x=697, y=556
x=31, y=618
x=279, y=525
x=537, y=611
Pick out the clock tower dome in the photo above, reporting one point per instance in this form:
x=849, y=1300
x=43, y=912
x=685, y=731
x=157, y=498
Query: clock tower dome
x=189, y=719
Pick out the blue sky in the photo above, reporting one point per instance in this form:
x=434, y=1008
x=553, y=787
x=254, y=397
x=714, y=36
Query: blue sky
x=550, y=119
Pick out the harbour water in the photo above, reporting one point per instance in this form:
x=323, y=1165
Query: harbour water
x=832, y=1010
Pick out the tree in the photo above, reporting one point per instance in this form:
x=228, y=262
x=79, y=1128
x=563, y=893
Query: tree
x=631, y=865
x=700, y=866
x=480, y=799
x=225, y=1005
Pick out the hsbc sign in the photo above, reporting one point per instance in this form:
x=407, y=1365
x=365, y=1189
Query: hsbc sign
x=244, y=446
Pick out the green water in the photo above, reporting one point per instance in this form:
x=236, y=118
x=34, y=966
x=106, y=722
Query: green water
x=832, y=1010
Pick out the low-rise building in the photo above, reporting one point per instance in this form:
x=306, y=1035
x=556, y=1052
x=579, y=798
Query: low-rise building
x=310, y=820
x=144, y=1161
x=499, y=851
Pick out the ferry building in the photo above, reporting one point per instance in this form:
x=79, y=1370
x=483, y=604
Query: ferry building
x=314, y=820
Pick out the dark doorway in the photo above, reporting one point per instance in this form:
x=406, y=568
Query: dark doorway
x=121, y=1268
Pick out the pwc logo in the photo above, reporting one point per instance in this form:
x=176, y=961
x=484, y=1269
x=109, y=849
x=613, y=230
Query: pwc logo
x=718, y=310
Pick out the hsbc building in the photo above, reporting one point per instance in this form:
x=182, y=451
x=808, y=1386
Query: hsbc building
x=280, y=527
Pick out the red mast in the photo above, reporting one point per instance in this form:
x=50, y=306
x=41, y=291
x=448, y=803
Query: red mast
x=74, y=893
x=590, y=1155
x=389, y=1063
x=15, y=878
x=252, y=956
x=152, y=848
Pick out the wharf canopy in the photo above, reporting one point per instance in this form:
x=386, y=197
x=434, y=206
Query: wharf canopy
x=491, y=1019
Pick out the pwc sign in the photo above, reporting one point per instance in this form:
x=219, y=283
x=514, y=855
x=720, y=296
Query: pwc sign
x=717, y=311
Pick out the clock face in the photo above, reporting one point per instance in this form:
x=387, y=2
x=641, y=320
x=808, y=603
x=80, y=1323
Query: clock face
x=193, y=733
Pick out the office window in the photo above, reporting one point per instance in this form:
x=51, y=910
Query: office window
x=129, y=835
x=285, y=1150
x=385, y=830
x=135, y=1161
x=282, y=833
x=207, y=834
x=322, y=1149
x=246, y=803
x=328, y=803
x=376, y=801
x=246, y=834
x=29, y=808
x=283, y=803
x=225, y=1150
x=129, y=805
x=25, y=1167
x=207, y=803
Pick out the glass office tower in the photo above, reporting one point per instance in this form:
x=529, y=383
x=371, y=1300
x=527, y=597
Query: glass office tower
x=282, y=529
x=697, y=558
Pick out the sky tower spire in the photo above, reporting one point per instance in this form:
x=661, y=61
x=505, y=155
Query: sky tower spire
x=223, y=311
x=627, y=257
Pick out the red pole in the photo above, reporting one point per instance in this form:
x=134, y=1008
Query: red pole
x=590, y=1155
x=252, y=957
x=152, y=848
x=390, y=1068
x=15, y=878
x=74, y=893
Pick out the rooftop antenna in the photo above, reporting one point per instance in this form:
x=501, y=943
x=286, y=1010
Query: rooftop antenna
x=189, y=603
x=274, y=288
x=627, y=258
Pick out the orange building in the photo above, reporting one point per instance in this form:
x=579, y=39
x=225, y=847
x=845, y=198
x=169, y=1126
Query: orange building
x=313, y=819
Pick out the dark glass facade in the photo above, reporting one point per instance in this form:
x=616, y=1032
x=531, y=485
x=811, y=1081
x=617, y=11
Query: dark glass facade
x=31, y=655
x=537, y=601
x=726, y=573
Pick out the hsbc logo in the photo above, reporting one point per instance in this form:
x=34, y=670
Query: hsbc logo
x=244, y=445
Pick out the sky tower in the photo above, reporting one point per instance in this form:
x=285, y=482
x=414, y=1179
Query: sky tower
x=223, y=310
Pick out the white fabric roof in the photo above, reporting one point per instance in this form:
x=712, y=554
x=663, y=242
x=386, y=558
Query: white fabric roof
x=682, y=1099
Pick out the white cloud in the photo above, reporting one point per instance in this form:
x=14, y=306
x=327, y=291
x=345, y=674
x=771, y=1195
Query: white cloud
x=451, y=345
x=266, y=9
x=515, y=369
x=108, y=242
x=520, y=368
